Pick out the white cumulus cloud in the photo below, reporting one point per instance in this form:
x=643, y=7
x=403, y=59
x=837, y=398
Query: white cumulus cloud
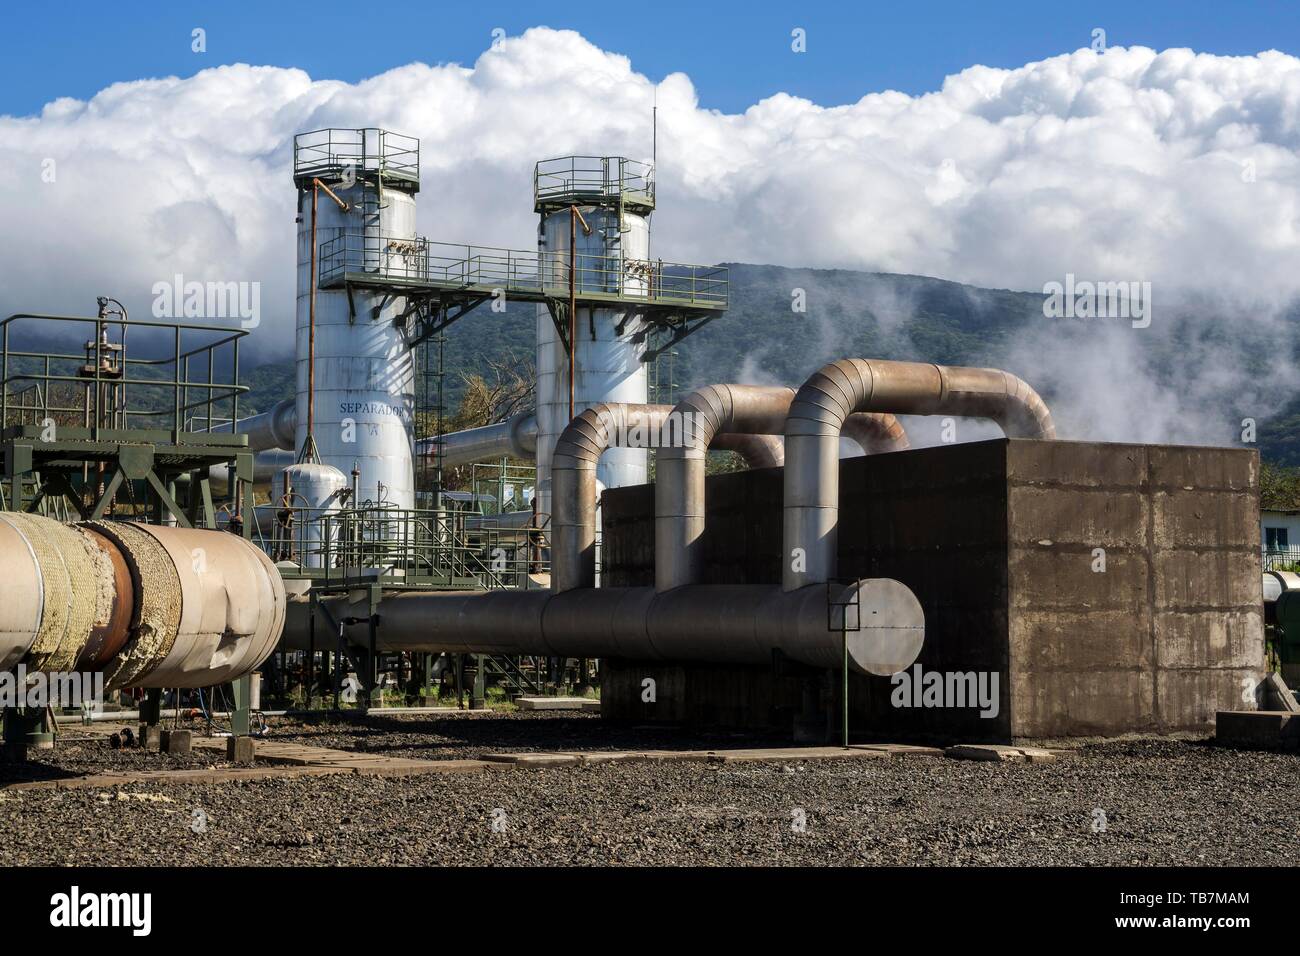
x=1176, y=168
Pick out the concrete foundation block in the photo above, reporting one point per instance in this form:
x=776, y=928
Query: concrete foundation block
x=1278, y=695
x=175, y=743
x=240, y=750
x=793, y=754
x=1257, y=729
x=535, y=760
x=146, y=737
x=903, y=750
x=999, y=752
x=1110, y=588
x=557, y=703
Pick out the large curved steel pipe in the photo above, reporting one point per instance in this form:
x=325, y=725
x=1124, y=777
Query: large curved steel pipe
x=573, y=473
x=680, y=468
x=876, y=433
x=840, y=389
x=732, y=623
x=573, y=483
x=757, y=412
x=269, y=430
x=148, y=605
x=759, y=451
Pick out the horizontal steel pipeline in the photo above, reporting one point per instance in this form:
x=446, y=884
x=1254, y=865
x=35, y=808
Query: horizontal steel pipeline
x=742, y=624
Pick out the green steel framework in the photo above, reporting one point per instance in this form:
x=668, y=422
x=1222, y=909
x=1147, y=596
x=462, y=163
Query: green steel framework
x=72, y=439
x=75, y=447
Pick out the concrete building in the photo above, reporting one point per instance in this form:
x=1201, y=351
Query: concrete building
x=1279, y=533
x=1110, y=588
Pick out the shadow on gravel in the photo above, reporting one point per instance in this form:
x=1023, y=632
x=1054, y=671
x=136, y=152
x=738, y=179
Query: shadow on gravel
x=470, y=736
x=33, y=770
x=77, y=757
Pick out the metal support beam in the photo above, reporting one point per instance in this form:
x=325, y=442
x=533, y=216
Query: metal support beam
x=478, y=699
x=240, y=716
x=679, y=332
x=559, y=312
x=166, y=500
x=151, y=706
x=106, y=499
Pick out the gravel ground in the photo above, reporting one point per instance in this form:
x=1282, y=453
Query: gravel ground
x=1164, y=802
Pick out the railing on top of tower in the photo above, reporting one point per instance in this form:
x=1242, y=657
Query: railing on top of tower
x=526, y=275
x=589, y=180
x=331, y=153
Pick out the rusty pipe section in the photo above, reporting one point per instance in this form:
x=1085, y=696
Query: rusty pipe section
x=838, y=390
x=148, y=605
x=753, y=413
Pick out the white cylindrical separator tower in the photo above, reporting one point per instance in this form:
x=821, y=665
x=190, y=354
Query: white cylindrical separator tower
x=364, y=372
x=615, y=197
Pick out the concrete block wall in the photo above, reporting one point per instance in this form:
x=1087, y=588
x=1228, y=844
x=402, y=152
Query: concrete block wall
x=1172, y=630
x=999, y=540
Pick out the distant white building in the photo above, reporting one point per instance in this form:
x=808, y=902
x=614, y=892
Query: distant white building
x=1279, y=534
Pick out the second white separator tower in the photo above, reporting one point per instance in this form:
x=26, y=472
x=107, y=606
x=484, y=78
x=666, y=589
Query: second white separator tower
x=602, y=204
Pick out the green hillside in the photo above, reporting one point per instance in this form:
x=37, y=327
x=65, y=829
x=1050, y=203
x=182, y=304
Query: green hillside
x=1186, y=357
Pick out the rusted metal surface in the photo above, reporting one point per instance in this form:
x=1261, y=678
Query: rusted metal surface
x=109, y=636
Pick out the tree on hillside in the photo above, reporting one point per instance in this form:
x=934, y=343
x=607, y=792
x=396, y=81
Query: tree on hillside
x=504, y=389
x=1279, y=487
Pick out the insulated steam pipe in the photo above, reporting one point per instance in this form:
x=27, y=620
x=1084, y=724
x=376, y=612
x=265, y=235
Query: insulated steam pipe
x=573, y=484
x=148, y=605
x=876, y=432
x=515, y=437
x=759, y=451
x=268, y=464
x=880, y=620
x=836, y=391
x=680, y=469
x=271, y=429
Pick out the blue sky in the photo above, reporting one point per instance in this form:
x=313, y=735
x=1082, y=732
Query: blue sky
x=735, y=53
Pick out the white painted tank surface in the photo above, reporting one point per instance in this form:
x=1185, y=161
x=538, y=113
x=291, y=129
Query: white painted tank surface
x=365, y=382
x=608, y=366
x=318, y=491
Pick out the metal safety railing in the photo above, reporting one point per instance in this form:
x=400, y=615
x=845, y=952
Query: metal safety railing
x=502, y=488
x=579, y=179
x=1280, y=556
x=374, y=544
x=357, y=256
x=370, y=150
x=180, y=377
